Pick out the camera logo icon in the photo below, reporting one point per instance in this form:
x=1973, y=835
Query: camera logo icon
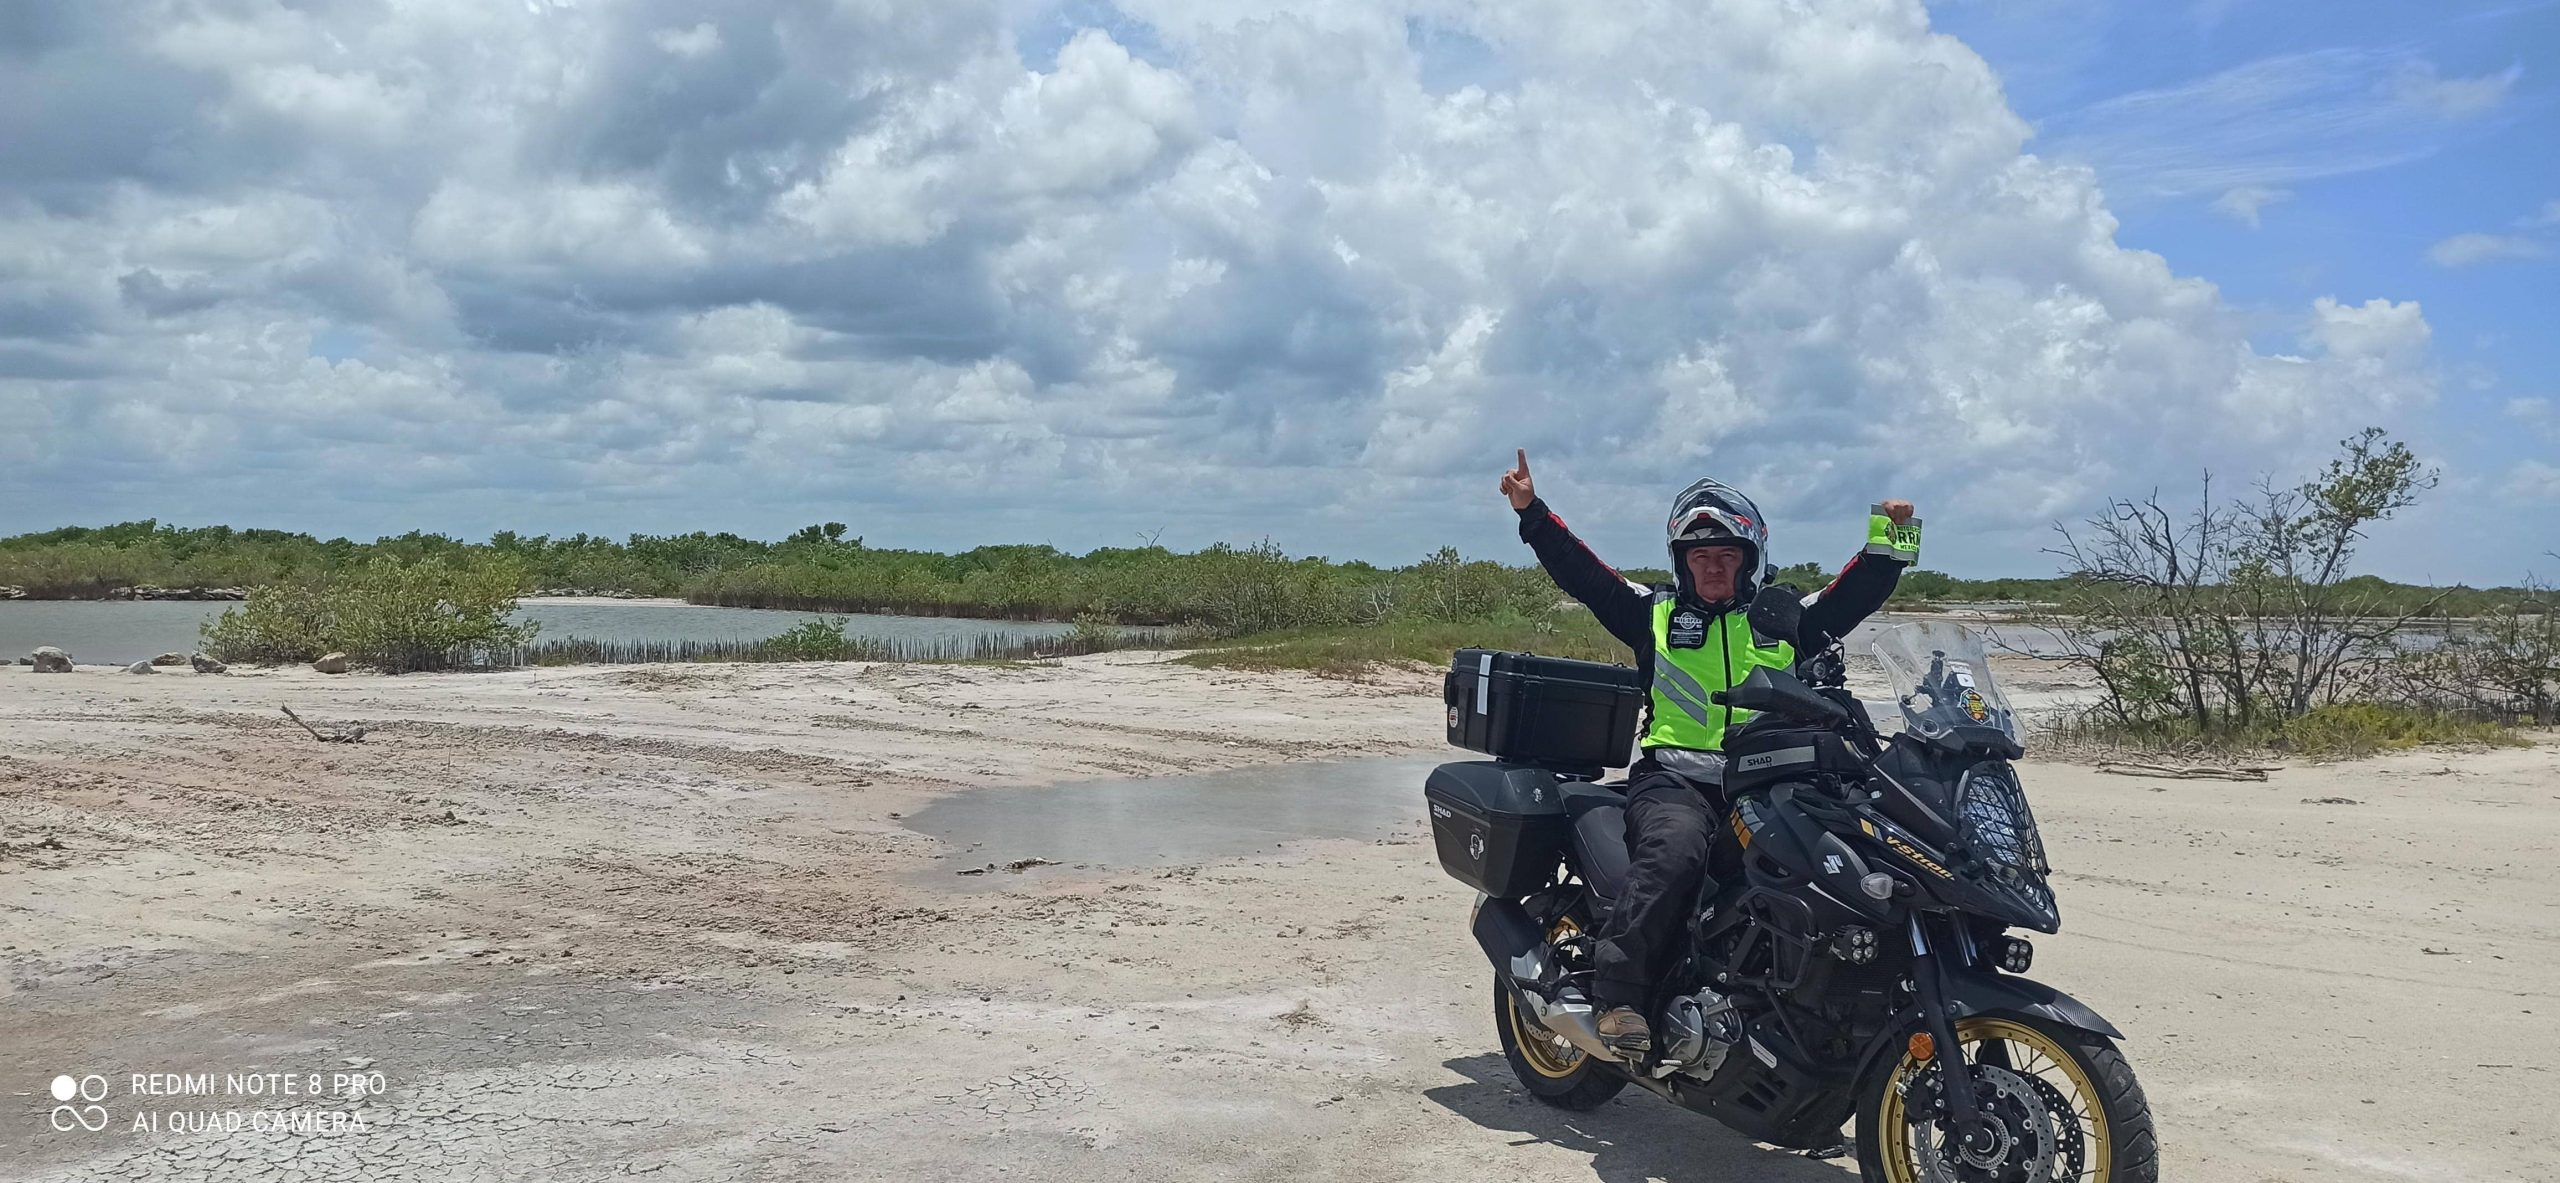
x=70, y=1114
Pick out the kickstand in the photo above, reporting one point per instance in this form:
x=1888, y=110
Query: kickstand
x=1840, y=1151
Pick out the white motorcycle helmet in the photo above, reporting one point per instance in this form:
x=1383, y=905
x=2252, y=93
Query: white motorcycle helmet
x=1712, y=513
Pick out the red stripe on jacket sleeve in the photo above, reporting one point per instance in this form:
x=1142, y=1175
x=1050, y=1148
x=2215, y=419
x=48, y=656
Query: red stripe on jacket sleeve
x=1845, y=568
x=1586, y=547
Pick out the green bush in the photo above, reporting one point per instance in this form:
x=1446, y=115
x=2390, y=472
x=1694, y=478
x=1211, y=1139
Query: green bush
x=395, y=616
x=2334, y=732
x=276, y=624
x=400, y=617
x=2362, y=729
x=810, y=640
x=1094, y=633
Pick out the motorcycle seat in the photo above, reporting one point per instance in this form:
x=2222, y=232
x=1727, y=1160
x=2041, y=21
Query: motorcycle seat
x=1599, y=837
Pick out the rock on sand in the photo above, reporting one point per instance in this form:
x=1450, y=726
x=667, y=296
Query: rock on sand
x=331, y=663
x=141, y=667
x=206, y=665
x=49, y=660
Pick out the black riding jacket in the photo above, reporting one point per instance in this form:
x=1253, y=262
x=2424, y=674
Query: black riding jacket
x=1625, y=607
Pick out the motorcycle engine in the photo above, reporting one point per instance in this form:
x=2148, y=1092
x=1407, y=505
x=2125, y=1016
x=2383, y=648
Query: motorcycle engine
x=1700, y=1030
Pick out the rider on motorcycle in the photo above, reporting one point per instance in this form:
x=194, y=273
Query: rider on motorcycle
x=1690, y=640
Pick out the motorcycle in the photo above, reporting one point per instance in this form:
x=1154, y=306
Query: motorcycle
x=1854, y=960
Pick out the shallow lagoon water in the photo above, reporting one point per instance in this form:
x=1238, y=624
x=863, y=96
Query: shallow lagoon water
x=1168, y=820
x=107, y=632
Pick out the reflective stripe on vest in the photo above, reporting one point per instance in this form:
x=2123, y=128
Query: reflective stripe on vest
x=1684, y=716
x=1891, y=541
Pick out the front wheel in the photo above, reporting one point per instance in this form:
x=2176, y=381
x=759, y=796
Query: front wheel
x=2062, y=1105
x=1554, y=1071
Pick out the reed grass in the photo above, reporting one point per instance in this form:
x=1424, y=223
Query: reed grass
x=979, y=647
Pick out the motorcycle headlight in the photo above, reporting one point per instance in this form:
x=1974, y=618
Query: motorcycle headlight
x=1997, y=824
x=1998, y=832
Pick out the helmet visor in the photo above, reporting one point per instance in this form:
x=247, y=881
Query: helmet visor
x=1708, y=524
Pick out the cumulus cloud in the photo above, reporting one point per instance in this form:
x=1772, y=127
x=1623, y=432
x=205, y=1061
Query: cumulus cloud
x=2244, y=204
x=2464, y=250
x=1293, y=270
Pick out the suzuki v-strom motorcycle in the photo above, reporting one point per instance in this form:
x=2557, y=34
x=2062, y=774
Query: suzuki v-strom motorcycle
x=1853, y=962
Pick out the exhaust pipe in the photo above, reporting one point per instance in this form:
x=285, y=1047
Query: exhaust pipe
x=1511, y=941
x=1515, y=946
x=1572, y=1018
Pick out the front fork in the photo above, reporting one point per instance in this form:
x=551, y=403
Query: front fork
x=1955, y=1077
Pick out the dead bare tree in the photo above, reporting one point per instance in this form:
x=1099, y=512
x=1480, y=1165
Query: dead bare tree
x=2137, y=619
x=2504, y=663
x=2227, y=614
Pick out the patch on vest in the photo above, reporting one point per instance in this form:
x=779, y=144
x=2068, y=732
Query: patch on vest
x=1688, y=630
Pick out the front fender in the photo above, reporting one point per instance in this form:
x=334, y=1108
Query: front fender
x=1973, y=991
x=1981, y=992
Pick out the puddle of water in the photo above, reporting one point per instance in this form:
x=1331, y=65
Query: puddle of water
x=1171, y=819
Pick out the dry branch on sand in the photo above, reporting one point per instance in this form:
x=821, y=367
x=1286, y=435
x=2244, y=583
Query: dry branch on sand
x=2186, y=771
x=355, y=735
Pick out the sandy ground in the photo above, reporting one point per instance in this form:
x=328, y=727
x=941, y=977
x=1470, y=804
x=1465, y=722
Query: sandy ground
x=665, y=920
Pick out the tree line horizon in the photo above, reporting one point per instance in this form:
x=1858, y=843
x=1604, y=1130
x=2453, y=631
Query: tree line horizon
x=823, y=567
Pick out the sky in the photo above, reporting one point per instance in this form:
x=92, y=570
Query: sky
x=960, y=272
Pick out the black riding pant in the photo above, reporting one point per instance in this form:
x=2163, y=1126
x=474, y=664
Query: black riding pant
x=1669, y=825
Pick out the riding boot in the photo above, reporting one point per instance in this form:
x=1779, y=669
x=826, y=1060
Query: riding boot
x=1625, y=1032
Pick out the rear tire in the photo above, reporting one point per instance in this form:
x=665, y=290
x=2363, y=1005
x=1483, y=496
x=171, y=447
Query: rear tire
x=1565, y=1077
x=2116, y=1143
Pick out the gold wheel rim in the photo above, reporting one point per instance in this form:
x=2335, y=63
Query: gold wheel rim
x=2046, y=1059
x=1538, y=1046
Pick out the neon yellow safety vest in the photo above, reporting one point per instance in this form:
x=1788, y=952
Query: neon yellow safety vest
x=1683, y=715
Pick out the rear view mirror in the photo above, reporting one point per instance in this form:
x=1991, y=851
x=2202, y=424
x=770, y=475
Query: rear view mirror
x=1777, y=614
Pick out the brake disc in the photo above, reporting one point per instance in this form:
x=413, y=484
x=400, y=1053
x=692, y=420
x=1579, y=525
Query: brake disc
x=2021, y=1146
x=2073, y=1143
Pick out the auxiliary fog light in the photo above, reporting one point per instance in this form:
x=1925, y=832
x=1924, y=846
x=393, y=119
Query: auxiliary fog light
x=2016, y=955
x=1855, y=945
x=1878, y=886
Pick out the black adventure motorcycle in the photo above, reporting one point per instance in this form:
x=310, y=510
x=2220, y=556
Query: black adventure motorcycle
x=1853, y=961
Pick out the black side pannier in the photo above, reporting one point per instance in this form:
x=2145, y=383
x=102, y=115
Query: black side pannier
x=1499, y=828
x=1572, y=716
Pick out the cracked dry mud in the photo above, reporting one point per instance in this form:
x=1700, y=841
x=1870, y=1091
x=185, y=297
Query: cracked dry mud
x=665, y=921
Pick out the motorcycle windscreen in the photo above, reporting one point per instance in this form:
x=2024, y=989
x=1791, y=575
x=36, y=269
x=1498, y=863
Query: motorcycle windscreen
x=1941, y=676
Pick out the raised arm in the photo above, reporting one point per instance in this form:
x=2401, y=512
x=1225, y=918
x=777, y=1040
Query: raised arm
x=1893, y=543
x=1622, y=606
